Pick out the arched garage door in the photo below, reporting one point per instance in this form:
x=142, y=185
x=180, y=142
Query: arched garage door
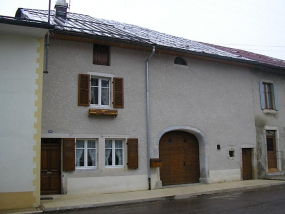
x=179, y=152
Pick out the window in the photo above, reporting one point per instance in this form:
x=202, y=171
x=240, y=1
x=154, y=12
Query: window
x=85, y=155
x=270, y=140
x=231, y=153
x=268, y=95
x=101, y=55
x=114, y=153
x=100, y=91
x=96, y=91
x=179, y=61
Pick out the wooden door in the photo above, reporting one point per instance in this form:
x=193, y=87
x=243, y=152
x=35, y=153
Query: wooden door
x=51, y=166
x=179, y=152
x=271, y=153
x=246, y=164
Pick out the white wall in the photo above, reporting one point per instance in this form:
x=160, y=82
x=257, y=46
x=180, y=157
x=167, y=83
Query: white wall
x=18, y=64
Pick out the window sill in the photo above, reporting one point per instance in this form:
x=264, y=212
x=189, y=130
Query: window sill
x=269, y=111
x=85, y=168
x=114, y=167
x=102, y=112
x=180, y=66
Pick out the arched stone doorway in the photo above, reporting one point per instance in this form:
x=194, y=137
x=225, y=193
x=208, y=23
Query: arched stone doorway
x=179, y=152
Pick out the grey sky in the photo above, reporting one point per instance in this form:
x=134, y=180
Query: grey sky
x=254, y=25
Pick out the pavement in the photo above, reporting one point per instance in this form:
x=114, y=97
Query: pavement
x=79, y=201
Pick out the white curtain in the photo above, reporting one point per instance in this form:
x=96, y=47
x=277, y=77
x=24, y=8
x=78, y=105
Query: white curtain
x=119, y=154
x=92, y=154
x=79, y=153
x=107, y=155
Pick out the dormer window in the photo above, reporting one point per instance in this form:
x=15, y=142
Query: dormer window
x=101, y=55
x=179, y=61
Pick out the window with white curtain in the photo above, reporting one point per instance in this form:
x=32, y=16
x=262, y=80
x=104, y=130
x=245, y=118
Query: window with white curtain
x=86, y=155
x=114, y=153
x=100, y=91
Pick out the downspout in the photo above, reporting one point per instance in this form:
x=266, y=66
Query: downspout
x=47, y=51
x=47, y=42
x=147, y=117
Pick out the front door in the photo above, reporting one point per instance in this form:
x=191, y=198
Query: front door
x=246, y=164
x=51, y=166
x=179, y=152
x=271, y=151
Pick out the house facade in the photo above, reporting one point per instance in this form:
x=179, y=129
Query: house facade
x=186, y=101
x=126, y=108
x=21, y=72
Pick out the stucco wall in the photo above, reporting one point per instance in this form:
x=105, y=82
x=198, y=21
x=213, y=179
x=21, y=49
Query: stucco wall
x=212, y=98
x=20, y=102
x=270, y=121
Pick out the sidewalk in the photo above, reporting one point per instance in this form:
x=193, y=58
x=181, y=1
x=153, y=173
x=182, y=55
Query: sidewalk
x=66, y=202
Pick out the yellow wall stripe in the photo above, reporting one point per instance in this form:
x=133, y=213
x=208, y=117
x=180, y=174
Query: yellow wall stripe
x=37, y=125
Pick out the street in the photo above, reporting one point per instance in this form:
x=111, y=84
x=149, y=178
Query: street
x=262, y=201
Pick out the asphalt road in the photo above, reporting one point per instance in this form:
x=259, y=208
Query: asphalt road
x=259, y=201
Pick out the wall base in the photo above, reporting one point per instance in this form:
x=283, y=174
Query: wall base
x=16, y=200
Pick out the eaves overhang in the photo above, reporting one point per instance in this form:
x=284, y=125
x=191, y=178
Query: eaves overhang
x=246, y=63
x=176, y=51
x=23, y=27
x=25, y=22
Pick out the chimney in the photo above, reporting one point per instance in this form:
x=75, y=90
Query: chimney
x=61, y=9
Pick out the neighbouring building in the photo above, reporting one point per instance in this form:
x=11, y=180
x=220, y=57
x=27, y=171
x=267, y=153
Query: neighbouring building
x=21, y=73
x=127, y=108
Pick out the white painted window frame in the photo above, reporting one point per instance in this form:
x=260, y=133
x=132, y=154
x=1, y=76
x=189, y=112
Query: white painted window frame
x=100, y=91
x=85, y=151
x=113, y=153
x=101, y=76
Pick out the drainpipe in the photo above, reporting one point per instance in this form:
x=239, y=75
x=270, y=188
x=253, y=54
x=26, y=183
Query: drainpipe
x=47, y=42
x=147, y=117
x=47, y=51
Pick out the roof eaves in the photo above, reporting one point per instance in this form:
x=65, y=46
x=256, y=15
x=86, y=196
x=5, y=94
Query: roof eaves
x=137, y=41
x=254, y=63
x=25, y=22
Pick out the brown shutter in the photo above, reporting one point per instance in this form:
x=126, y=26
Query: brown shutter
x=68, y=154
x=83, y=89
x=133, y=153
x=118, y=92
x=101, y=55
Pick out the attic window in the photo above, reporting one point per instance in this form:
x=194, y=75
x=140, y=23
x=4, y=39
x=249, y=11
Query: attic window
x=101, y=55
x=179, y=61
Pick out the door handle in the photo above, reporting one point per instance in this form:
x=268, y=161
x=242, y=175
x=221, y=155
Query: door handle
x=48, y=172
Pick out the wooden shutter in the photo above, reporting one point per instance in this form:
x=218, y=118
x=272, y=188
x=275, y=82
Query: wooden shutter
x=68, y=154
x=118, y=92
x=83, y=89
x=133, y=153
x=262, y=95
x=275, y=96
x=101, y=55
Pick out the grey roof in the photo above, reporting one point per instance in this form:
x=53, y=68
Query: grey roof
x=24, y=22
x=107, y=29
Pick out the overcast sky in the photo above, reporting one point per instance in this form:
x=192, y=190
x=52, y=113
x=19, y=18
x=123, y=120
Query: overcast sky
x=253, y=25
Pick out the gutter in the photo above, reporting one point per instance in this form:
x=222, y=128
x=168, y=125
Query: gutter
x=147, y=116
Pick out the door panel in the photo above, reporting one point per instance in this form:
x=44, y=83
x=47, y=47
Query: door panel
x=246, y=164
x=179, y=152
x=51, y=166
